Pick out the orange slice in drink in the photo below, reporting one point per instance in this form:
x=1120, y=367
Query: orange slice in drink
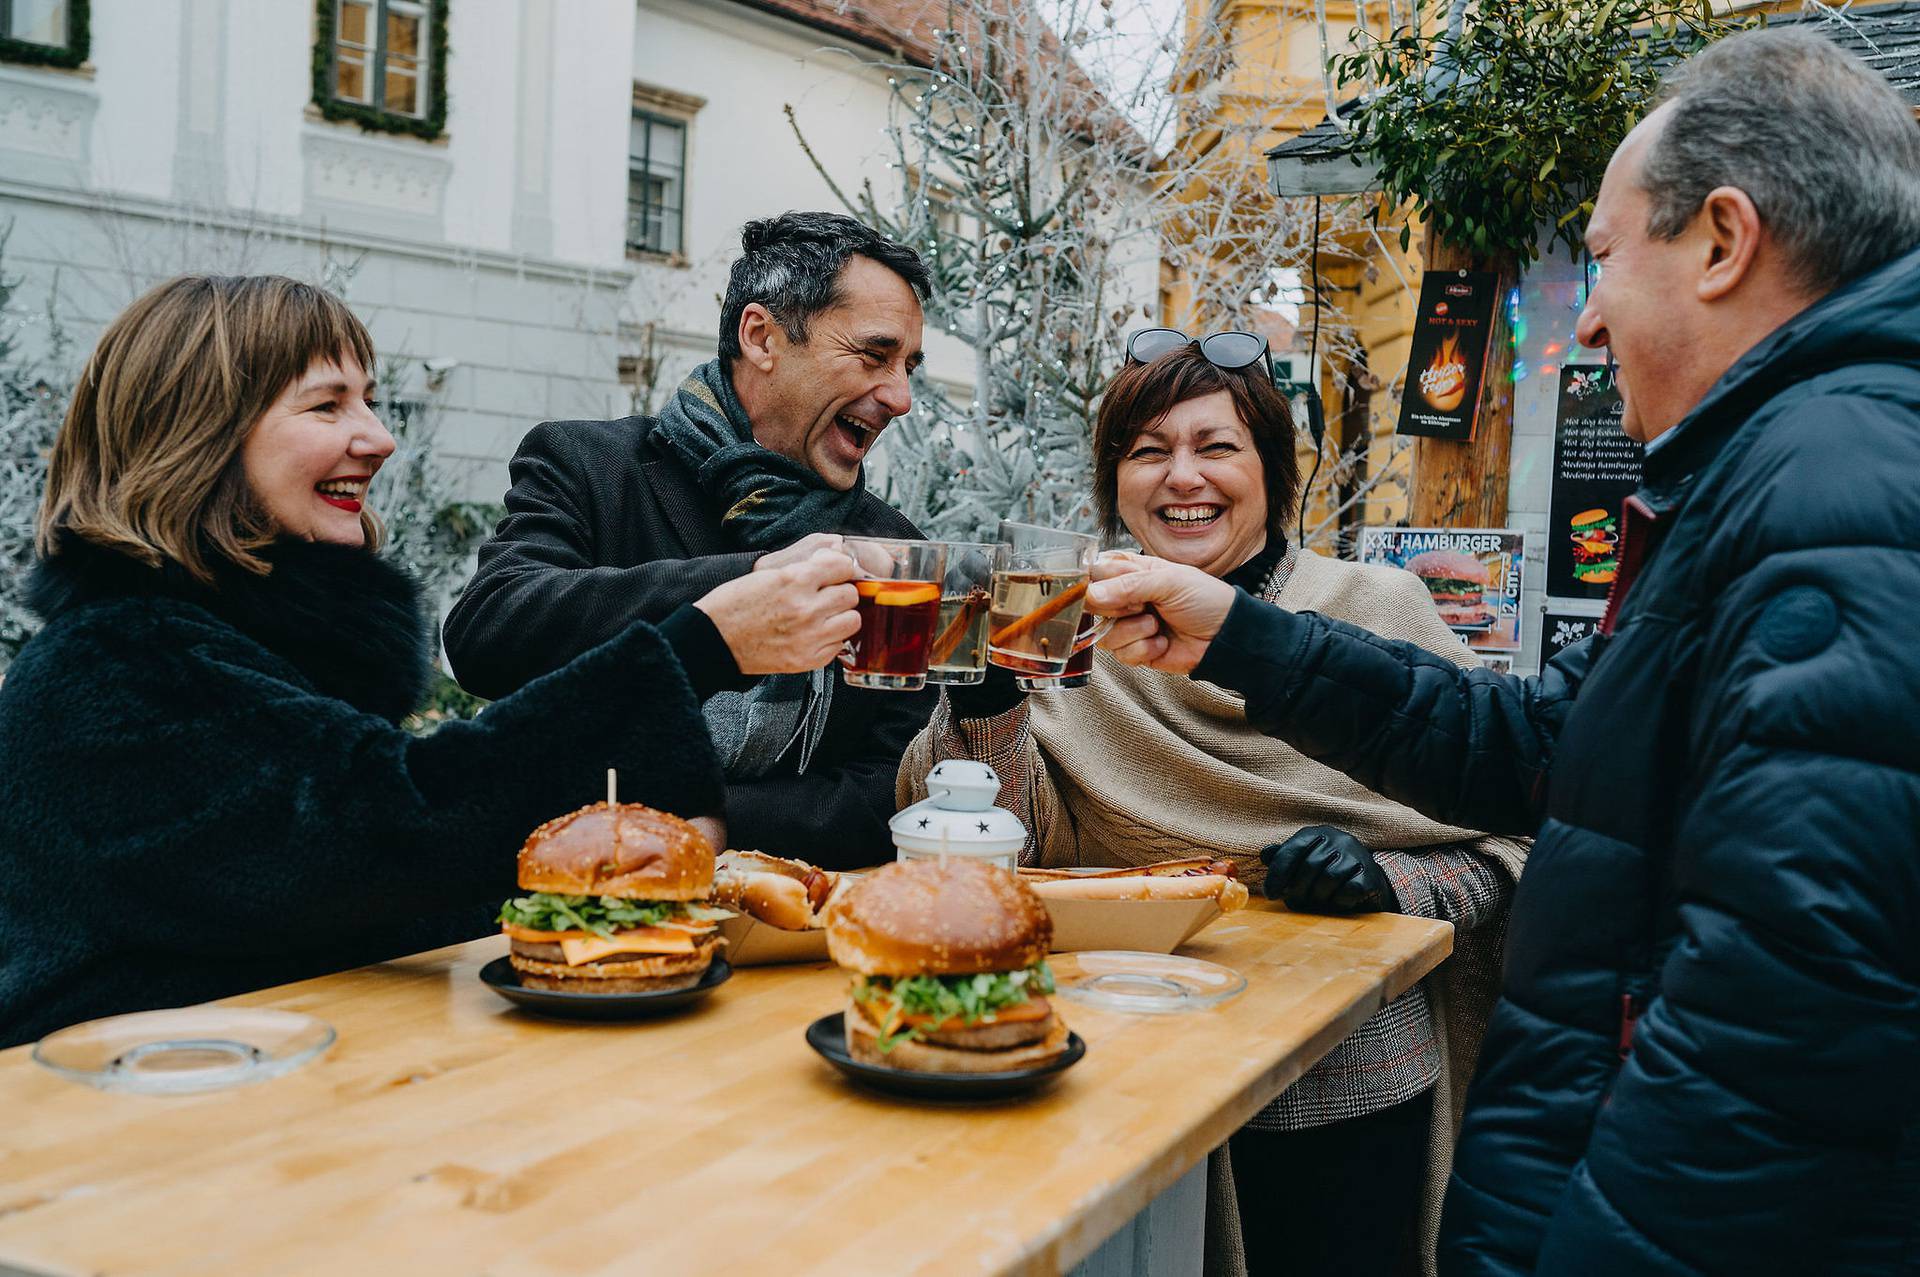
x=899, y=593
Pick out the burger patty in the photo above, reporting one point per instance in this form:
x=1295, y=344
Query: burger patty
x=551, y=951
x=986, y=1035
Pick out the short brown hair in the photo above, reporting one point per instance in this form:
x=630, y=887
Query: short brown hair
x=148, y=461
x=1819, y=141
x=1140, y=395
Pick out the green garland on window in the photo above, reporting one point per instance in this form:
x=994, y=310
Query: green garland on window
x=372, y=118
x=79, y=41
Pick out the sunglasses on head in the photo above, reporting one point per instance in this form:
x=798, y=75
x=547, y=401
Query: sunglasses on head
x=1231, y=350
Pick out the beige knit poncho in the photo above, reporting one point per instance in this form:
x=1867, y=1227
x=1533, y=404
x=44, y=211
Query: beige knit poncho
x=1141, y=766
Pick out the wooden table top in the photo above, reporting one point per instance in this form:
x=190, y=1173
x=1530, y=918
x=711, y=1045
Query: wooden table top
x=448, y=1133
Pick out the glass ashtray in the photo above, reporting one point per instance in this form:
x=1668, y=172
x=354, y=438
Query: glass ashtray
x=185, y=1050
x=1146, y=983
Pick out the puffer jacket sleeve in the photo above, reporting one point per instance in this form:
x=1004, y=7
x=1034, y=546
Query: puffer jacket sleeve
x=1774, y=1075
x=351, y=826
x=1466, y=747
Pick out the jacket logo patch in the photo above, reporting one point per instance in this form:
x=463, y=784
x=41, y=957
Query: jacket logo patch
x=1798, y=624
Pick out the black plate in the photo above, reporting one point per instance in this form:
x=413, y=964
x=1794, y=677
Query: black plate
x=828, y=1036
x=500, y=976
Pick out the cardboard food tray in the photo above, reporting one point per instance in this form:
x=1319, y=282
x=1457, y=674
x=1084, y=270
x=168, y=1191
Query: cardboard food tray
x=1143, y=926
x=752, y=943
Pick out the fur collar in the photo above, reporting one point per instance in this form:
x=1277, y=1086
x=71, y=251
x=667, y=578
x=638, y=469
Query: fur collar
x=347, y=620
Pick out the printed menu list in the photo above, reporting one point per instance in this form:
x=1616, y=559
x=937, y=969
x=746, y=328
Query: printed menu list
x=1595, y=468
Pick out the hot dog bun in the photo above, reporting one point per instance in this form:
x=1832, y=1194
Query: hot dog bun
x=789, y=894
x=1231, y=895
x=1190, y=865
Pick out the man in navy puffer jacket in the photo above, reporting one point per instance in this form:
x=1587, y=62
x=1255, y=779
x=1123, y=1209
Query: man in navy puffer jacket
x=1707, y=1056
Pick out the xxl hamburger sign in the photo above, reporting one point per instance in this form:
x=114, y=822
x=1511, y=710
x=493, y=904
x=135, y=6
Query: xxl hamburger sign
x=1472, y=574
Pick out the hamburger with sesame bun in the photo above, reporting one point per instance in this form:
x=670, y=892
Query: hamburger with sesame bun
x=949, y=967
x=615, y=903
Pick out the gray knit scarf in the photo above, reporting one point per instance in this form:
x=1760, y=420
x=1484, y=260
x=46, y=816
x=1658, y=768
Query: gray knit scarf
x=766, y=501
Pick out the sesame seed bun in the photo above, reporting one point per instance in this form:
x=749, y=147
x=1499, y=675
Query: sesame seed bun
x=928, y=917
x=630, y=851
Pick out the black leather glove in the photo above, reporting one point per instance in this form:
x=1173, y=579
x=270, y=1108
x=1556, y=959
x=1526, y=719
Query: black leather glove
x=1326, y=870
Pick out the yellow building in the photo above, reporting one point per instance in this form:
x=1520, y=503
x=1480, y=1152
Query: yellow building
x=1269, y=58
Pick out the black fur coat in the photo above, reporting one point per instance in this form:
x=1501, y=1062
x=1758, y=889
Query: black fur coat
x=204, y=791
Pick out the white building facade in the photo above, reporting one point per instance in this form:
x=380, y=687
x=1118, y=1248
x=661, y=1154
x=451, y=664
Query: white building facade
x=713, y=82
x=532, y=203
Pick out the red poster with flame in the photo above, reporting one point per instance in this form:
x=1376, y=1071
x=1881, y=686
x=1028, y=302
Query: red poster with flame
x=1451, y=336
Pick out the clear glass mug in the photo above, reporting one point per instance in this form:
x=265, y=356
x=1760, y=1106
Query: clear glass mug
x=1039, y=593
x=959, y=653
x=1079, y=671
x=899, y=587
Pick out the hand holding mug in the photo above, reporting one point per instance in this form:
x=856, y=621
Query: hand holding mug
x=799, y=552
x=1165, y=614
x=787, y=619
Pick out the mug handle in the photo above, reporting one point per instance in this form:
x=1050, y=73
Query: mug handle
x=1082, y=642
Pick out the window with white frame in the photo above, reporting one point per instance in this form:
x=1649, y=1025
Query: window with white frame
x=379, y=54
x=378, y=64
x=35, y=21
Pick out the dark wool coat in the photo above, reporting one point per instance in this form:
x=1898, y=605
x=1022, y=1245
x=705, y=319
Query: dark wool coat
x=206, y=791
x=602, y=528
x=1707, y=1054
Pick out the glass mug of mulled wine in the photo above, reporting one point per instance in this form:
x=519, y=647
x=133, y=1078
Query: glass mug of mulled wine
x=1079, y=671
x=959, y=652
x=899, y=587
x=1039, y=593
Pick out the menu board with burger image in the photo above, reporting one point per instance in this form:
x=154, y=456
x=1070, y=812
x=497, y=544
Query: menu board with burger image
x=1451, y=335
x=1473, y=574
x=1595, y=468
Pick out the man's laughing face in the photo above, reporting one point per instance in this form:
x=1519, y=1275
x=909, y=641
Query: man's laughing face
x=825, y=400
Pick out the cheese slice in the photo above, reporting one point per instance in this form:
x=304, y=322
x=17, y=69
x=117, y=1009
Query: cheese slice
x=633, y=940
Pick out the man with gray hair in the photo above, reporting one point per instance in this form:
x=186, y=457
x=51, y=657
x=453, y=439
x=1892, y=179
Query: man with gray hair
x=1706, y=1058
x=754, y=465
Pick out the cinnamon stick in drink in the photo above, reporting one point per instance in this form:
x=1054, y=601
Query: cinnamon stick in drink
x=949, y=638
x=1012, y=632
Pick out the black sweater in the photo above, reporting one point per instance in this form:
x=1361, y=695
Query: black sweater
x=207, y=791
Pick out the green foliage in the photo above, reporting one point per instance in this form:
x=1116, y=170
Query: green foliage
x=72, y=54
x=1506, y=125
x=371, y=118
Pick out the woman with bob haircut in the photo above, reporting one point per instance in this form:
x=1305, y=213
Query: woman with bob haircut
x=1195, y=460
x=206, y=785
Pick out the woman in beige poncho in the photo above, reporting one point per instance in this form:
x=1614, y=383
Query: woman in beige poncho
x=1196, y=461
